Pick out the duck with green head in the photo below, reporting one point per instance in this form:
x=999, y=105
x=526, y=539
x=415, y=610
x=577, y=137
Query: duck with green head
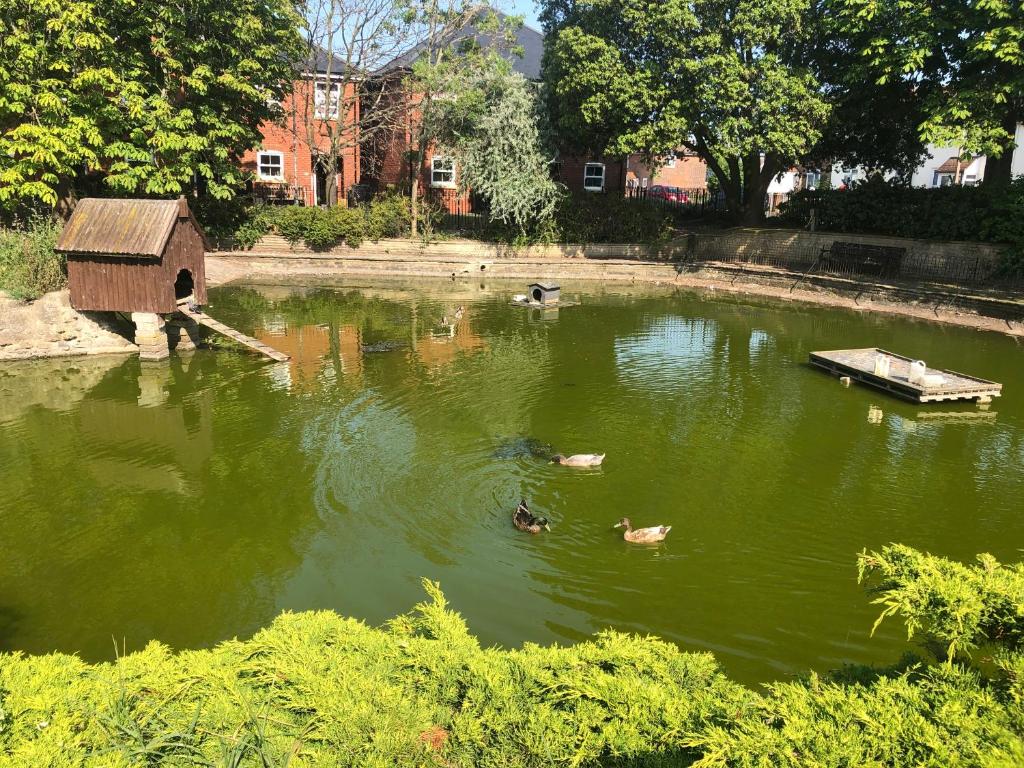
x=526, y=521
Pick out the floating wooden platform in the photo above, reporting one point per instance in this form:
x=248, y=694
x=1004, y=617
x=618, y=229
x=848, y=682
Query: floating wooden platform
x=231, y=333
x=859, y=365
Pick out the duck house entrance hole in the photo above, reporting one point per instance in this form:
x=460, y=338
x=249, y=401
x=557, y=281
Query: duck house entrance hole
x=184, y=286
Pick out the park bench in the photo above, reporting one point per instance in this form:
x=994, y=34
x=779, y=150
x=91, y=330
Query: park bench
x=860, y=258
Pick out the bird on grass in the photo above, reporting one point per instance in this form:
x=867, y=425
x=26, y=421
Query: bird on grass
x=579, y=459
x=643, y=535
x=525, y=520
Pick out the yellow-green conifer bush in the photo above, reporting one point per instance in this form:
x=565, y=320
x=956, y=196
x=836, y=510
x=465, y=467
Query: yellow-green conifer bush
x=316, y=689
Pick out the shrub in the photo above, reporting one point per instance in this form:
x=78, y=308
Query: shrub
x=316, y=689
x=388, y=215
x=943, y=213
x=326, y=227
x=292, y=222
x=594, y=218
x=29, y=265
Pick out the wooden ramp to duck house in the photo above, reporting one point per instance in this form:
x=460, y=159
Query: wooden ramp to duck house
x=859, y=365
x=231, y=333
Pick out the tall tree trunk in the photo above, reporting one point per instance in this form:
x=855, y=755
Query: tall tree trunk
x=331, y=193
x=757, y=176
x=999, y=170
x=66, y=197
x=414, y=205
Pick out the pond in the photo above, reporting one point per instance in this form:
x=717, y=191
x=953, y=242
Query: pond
x=194, y=500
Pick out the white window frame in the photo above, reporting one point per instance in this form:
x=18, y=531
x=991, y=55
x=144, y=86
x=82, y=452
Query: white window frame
x=670, y=162
x=326, y=107
x=442, y=183
x=643, y=183
x=586, y=177
x=263, y=154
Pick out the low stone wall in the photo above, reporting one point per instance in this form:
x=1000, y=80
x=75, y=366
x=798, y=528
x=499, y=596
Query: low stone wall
x=925, y=259
x=794, y=249
x=51, y=327
x=463, y=250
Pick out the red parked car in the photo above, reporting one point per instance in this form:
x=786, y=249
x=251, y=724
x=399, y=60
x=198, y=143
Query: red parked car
x=669, y=194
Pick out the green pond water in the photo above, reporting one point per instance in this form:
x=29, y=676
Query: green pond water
x=194, y=500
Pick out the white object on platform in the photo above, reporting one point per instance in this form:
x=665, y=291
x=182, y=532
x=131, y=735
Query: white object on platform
x=933, y=380
x=918, y=371
x=882, y=363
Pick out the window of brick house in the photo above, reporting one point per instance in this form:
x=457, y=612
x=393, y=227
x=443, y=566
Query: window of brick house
x=593, y=177
x=326, y=100
x=442, y=171
x=270, y=166
x=670, y=161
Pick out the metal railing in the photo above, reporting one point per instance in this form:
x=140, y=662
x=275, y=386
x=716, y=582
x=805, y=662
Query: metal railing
x=684, y=203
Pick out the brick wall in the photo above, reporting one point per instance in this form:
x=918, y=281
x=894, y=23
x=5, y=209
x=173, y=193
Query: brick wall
x=571, y=172
x=294, y=136
x=690, y=172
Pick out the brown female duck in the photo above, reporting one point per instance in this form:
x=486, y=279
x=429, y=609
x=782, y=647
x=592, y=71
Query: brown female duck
x=643, y=535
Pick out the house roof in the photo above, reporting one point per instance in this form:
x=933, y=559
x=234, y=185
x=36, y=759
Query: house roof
x=526, y=61
x=320, y=60
x=950, y=165
x=114, y=227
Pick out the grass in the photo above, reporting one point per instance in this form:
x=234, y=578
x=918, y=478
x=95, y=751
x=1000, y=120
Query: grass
x=29, y=266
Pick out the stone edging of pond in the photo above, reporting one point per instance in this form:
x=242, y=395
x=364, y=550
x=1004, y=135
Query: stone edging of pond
x=51, y=327
x=932, y=302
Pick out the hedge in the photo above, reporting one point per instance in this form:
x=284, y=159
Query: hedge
x=241, y=223
x=591, y=218
x=315, y=689
x=940, y=213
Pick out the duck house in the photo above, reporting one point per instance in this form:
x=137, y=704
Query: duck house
x=134, y=255
x=544, y=293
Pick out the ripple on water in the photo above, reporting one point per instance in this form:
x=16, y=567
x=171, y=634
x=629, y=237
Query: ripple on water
x=340, y=478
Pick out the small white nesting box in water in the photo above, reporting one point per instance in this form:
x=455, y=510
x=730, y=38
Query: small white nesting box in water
x=544, y=293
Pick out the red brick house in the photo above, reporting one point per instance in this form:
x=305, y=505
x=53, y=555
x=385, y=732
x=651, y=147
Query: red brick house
x=289, y=165
x=389, y=163
x=681, y=169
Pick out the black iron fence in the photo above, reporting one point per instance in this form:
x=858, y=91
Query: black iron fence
x=465, y=214
x=684, y=203
x=458, y=213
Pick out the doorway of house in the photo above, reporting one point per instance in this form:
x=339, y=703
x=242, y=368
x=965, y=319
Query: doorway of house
x=184, y=285
x=324, y=196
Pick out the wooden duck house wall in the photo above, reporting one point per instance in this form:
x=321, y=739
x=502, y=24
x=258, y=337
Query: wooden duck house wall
x=134, y=255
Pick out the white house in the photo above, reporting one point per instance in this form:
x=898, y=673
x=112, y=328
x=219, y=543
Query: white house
x=944, y=167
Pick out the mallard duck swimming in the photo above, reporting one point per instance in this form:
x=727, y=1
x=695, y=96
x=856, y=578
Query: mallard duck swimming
x=643, y=535
x=524, y=520
x=579, y=459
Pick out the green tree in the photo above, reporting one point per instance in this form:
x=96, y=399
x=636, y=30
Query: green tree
x=728, y=80
x=491, y=125
x=968, y=56
x=56, y=96
x=871, y=125
x=153, y=98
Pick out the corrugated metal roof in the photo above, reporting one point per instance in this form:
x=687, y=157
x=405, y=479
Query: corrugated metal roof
x=119, y=227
